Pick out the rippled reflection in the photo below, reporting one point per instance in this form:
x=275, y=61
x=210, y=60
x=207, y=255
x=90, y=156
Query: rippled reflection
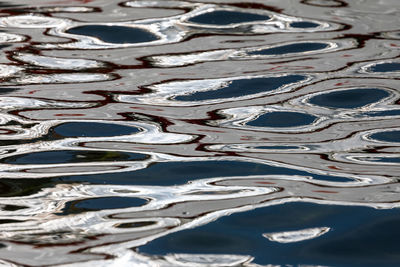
x=243, y=235
x=114, y=34
x=184, y=133
x=282, y=119
x=249, y=86
x=226, y=17
x=92, y=129
x=292, y=48
x=353, y=98
x=387, y=136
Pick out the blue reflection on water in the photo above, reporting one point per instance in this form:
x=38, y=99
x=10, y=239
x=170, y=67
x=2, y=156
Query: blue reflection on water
x=383, y=113
x=225, y=17
x=291, y=48
x=386, y=67
x=352, y=98
x=387, y=136
x=115, y=34
x=282, y=119
x=303, y=24
x=172, y=173
x=93, y=129
x=102, y=203
x=67, y=156
x=242, y=87
x=360, y=236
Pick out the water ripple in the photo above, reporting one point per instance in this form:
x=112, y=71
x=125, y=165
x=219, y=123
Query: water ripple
x=179, y=133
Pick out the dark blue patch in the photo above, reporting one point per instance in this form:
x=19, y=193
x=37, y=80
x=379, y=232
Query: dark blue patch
x=387, y=136
x=70, y=156
x=352, y=98
x=290, y=48
x=136, y=224
x=303, y=24
x=92, y=129
x=7, y=90
x=102, y=203
x=222, y=17
x=360, y=236
x=238, y=88
x=383, y=113
x=282, y=119
x=386, y=67
x=385, y=159
x=172, y=173
x=115, y=34
x=23, y=187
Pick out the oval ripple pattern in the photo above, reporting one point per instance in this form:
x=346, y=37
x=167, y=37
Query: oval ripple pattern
x=215, y=133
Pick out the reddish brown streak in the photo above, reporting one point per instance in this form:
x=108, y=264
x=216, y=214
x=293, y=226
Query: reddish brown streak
x=152, y=109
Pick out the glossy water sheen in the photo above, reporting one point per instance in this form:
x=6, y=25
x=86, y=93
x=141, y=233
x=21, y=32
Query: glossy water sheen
x=207, y=134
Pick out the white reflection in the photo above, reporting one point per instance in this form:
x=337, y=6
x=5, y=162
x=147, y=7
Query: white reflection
x=57, y=62
x=246, y=53
x=165, y=92
x=6, y=37
x=296, y=236
x=62, y=78
x=32, y=21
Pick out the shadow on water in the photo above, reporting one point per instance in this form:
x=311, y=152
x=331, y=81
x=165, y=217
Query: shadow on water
x=359, y=236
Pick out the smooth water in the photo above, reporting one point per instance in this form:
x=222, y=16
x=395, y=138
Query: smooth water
x=186, y=133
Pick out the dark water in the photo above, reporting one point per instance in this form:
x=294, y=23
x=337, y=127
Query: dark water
x=174, y=133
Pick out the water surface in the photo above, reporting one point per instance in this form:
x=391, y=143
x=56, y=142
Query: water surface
x=174, y=133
